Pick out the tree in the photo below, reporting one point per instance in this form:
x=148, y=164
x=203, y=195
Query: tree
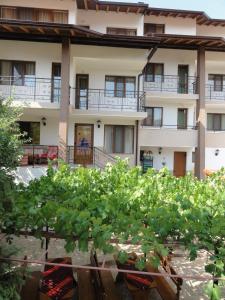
x=10, y=154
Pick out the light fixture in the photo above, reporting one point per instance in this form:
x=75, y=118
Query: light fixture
x=217, y=152
x=160, y=150
x=99, y=123
x=44, y=120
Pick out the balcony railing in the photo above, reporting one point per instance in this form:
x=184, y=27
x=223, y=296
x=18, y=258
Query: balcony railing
x=164, y=126
x=30, y=88
x=38, y=154
x=170, y=84
x=213, y=92
x=86, y=156
x=108, y=100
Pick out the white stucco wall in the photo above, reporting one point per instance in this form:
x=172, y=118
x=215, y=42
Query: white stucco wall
x=211, y=30
x=69, y=5
x=213, y=162
x=99, y=20
x=174, y=25
x=167, y=156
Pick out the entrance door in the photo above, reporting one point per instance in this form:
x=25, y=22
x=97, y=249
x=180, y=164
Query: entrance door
x=56, y=82
x=179, y=168
x=183, y=79
x=82, y=91
x=83, y=147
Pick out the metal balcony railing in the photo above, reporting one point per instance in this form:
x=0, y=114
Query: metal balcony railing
x=213, y=92
x=170, y=84
x=164, y=126
x=86, y=156
x=108, y=100
x=38, y=154
x=30, y=88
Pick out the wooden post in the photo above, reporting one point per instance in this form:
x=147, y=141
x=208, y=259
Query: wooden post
x=64, y=104
x=201, y=116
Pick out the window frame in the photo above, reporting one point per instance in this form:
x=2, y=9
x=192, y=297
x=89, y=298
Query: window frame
x=123, y=139
x=13, y=62
x=212, y=77
x=30, y=130
x=35, y=11
x=213, y=121
x=124, y=91
x=126, y=30
x=146, y=32
x=154, y=71
x=153, y=114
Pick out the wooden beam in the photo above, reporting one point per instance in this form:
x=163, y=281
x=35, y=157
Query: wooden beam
x=189, y=42
x=138, y=10
x=24, y=29
x=72, y=32
x=179, y=41
x=107, y=8
x=128, y=9
x=118, y=9
x=199, y=43
x=212, y=43
x=56, y=30
x=41, y=30
x=96, y=7
x=85, y=4
x=7, y=27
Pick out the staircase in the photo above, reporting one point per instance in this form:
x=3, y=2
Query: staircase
x=101, y=158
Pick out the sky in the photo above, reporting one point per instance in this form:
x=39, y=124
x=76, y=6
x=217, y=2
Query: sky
x=214, y=8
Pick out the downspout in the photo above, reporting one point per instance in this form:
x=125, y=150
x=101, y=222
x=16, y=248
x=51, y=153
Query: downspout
x=151, y=53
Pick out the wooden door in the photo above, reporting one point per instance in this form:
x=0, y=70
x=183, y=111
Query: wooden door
x=179, y=168
x=83, y=147
x=82, y=83
x=183, y=72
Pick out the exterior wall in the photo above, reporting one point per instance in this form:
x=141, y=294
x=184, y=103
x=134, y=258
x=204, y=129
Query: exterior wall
x=211, y=30
x=213, y=162
x=167, y=157
x=69, y=5
x=172, y=58
x=174, y=25
x=98, y=21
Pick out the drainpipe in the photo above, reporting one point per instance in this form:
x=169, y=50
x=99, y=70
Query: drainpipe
x=151, y=53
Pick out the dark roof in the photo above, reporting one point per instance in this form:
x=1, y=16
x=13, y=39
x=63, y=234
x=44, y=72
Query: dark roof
x=54, y=33
x=201, y=17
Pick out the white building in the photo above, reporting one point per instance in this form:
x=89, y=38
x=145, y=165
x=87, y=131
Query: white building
x=102, y=79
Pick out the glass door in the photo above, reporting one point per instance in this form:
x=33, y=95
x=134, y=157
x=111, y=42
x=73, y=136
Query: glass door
x=182, y=118
x=82, y=82
x=83, y=148
x=56, y=82
x=182, y=79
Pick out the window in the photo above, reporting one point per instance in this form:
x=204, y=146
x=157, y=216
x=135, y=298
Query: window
x=120, y=86
x=216, y=122
x=119, y=139
x=34, y=14
x=217, y=82
x=154, y=72
x=153, y=28
x=56, y=82
x=17, y=72
x=121, y=31
x=32, y=130
x=154, y=117
x=182, y=118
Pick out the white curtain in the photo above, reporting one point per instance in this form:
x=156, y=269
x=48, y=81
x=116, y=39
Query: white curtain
x=108, y=139
x=129, y=139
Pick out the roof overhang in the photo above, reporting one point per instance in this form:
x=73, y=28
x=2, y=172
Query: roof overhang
x=54, y=33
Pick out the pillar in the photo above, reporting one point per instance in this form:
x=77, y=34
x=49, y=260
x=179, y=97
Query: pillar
x=200, y=115
x=65, y=96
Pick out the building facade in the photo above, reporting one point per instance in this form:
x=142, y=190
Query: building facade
x=101, y=79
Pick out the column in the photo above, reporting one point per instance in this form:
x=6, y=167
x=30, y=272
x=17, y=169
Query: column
x=200, y=115
x=65, y=96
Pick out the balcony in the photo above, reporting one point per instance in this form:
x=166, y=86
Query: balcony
x=171, y=84
x=30, y=89
x=100, y=100
x=168, y=136
x=38, y=155
x=213, y=93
